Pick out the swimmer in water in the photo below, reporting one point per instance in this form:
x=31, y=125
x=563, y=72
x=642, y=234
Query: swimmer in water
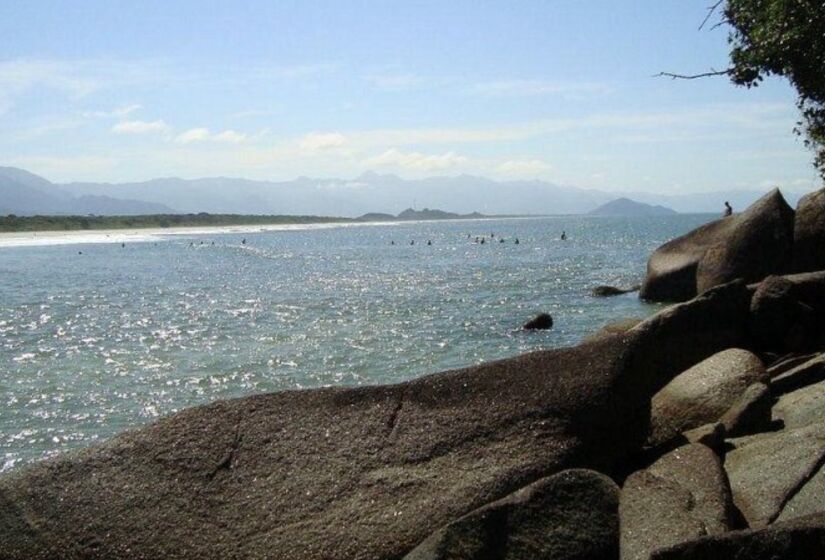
x=563, y=236
x=243, y=241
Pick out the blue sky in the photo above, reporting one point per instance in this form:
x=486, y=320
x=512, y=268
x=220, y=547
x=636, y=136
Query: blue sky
x=558, y=90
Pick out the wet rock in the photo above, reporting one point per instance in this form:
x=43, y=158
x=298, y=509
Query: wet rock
x=571, y=515
x=809, y=233
x=799, y=538
x=750, y=413
x=808, y=372
x=802, y=406
x=607, y=291
x=542, y=321
x=703, y=393
x=759, y=244
x=765, y=470
x=682, y=496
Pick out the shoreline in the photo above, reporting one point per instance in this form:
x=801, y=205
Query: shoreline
x=154, y=234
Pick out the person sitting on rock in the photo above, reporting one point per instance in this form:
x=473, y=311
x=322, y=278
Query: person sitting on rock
x=728, y=209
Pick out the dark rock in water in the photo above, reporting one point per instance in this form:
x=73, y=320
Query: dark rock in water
x=571, y=515
x=765, y=470
x=703, y=393
x=750, y=413
x=759, y=244
x=357, y=473
x=607, y=291
x=682, y=496
x=750, y=246
x=802, y=538
x=778, y=320
x=542, y=321
x=809, y=233
x=671, y=269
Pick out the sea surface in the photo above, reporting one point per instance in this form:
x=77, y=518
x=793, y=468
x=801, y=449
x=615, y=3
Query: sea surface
x=97, y=337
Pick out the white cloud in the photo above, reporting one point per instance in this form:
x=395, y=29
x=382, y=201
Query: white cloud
x=117, y=112
x=203, y=135
x=140, y=127
x=415, y=161
x=523, y=168
x=322, y=141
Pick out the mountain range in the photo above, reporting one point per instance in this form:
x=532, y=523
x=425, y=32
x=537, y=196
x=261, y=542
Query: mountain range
x=24, y=193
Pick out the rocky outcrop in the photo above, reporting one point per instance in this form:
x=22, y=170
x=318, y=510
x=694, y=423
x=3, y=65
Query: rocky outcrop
x=682, y=496
x=759, y=244
x=748, y=246
x=571, y=515
x=671, y=269
x=809, y=233
x=779, y=321
x=802, y=406
x=352, y=473
x=703, y=393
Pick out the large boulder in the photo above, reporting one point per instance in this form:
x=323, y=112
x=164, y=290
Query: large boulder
x=750, y=246
x=760, y=244
x=703, y=393
x=766, y=470
x=671, y=269
x=796, y=539
x=357, y=473
x=809, y=233
x=569, y=516
x=682, y=496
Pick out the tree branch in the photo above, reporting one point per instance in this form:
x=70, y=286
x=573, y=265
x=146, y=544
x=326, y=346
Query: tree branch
x=693, y=76
x=711, y=11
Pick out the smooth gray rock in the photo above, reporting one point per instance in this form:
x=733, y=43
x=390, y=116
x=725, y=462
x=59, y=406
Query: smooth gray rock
x=809, y=233
x=808, y=372
x=759, y=244
x=750, y=413
x=682, y=496
x=765, y=470
x=798, y=539
x=570, y=515
x=613, y=328
x=703, y=393
x=358, y=473
x=801, y=407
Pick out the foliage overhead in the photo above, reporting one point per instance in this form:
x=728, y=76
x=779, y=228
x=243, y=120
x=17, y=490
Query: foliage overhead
x=783, y=38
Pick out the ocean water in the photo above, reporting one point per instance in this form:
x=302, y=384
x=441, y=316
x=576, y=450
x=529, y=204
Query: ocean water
x=96, y=337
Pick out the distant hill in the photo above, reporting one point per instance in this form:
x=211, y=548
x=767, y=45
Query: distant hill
x=627, y=207
x=25, y=194
x=370, y=192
